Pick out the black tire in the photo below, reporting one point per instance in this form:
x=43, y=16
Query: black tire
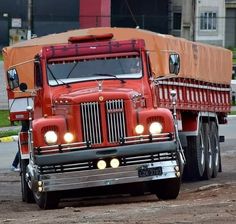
x=166, y=189
x=27, y=195
x=208, y=152
x=215, y=149
x=195, y=156
x=46, y=200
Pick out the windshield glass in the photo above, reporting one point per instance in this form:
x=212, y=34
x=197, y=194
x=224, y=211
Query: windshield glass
x=68, y=71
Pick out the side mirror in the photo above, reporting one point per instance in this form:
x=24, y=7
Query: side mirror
x=174, y=63
x=13, y=79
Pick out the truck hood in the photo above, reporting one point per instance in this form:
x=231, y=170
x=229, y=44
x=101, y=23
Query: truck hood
x=95, y=94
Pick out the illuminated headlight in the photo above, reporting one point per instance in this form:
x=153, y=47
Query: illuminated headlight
x=101, y=164
x=115, y=163
x=68, y=137
x=139, y=129
x=155, y=128
x=50, y=137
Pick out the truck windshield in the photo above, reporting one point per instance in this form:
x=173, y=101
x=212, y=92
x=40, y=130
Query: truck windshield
x=68, y=71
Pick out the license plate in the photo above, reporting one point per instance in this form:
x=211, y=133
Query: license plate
x=149, y=171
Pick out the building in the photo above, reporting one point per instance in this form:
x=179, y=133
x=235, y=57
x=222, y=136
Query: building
x=230, y=24
x=210, y=22
x=199, y=20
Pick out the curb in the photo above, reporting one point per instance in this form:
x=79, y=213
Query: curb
x=13, y=138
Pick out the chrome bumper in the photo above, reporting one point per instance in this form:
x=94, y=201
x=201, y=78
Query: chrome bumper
x=105, y=177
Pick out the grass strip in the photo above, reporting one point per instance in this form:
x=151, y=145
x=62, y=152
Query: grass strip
x=8, y=133
x=4, y=121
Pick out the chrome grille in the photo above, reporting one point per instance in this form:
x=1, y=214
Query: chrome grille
x=115, y=120
x=91, y=122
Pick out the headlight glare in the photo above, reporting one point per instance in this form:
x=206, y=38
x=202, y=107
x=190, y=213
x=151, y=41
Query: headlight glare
x=50, y=137
x=155, y=128
x=68, y=137
x=139, y=129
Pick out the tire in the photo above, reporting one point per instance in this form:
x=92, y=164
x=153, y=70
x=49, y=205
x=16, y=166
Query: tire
x=46, y=200
x=195, y=156
x=208, y=152
x=166, y=189
x=27, y=194
x=215, y=149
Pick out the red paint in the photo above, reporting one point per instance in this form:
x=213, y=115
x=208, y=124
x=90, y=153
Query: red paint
x=94, y=13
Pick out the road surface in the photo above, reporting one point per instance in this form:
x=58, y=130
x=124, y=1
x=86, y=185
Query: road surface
x=211, y=201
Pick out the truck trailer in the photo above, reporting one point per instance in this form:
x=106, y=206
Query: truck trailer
x=116, y=108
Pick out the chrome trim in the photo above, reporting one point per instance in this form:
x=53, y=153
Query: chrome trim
x=91, y=124
x=115, y=120
x=106, y=177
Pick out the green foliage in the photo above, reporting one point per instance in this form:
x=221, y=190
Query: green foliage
x=1, y=57
x=233, y=113
x=8, y=133
x=4, y=121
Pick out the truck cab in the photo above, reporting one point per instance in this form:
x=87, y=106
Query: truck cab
x=93, y=123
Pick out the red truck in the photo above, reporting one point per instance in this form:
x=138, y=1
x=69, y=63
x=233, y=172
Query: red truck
x=116, y=109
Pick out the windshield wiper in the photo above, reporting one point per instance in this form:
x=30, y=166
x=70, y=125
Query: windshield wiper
x=110, y=75
x=56, y=80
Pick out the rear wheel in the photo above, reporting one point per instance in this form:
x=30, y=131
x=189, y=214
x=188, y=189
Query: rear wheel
x=166, y=189
x=46, y=200
x=208, y=152
x=195, y=155
x=27, y=195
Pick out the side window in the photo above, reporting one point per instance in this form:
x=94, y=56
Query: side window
x=37, y=72
x=174, y=63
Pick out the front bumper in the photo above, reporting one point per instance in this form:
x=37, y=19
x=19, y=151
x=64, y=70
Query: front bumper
x=106, y=177
x=72, y=170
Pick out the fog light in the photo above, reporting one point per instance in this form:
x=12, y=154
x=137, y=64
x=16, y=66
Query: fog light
x=177, y=174
x=68, y=137
x=177, y=168
x=40, y=189
x=139, y=129
x=115, y=163
x=101, y=164
x=40, y=183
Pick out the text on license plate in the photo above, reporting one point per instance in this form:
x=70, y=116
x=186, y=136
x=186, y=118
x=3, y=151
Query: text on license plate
x=149, y=171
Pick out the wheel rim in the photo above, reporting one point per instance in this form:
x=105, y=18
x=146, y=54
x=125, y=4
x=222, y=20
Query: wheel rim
x=209, y=153
x=202, y=160
x=216, y=152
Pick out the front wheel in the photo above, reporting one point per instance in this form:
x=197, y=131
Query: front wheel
x=46, y=200
x=27, y=195
x=195, y=155
x=166, y=189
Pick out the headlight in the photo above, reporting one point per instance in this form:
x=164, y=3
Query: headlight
x=68, y=137
x=139, y=129
x=114, y=163
x=155, y=128
x=50, y=137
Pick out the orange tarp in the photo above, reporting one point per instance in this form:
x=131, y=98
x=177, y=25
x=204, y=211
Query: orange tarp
x=198, y=61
